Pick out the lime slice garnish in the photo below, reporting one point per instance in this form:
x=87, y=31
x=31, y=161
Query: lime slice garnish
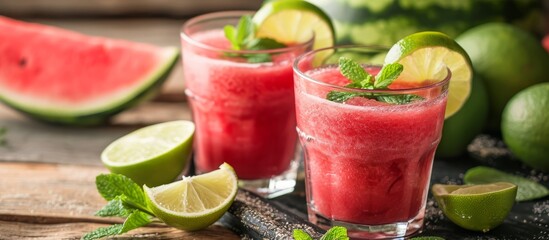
x=152, y=155
x=426, y=55
x=195, y=202
x=291, y=22
x=476, y=207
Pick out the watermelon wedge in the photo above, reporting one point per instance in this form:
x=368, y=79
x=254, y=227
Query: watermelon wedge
x=60, y=76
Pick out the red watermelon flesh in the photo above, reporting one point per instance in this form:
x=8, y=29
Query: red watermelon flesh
x=63, y=74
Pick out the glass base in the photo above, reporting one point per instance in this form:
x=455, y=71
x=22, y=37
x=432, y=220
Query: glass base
x=397, y=230
x=275, y=186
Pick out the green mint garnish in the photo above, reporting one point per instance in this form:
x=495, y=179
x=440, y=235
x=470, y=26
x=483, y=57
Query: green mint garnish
x=242, y=37
x=334, y=233
x=361, y=79
x=126, y=199
x=527, y=189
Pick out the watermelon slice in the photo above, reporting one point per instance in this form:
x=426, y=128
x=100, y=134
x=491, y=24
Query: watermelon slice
x=65, y=77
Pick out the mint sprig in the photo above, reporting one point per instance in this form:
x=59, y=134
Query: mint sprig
x=334, y=233
x=243, y=37
x=126, y=199
x=361, y=79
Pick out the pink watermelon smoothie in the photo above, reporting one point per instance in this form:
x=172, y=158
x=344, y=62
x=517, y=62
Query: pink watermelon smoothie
x=367, y=162
x=244, y=113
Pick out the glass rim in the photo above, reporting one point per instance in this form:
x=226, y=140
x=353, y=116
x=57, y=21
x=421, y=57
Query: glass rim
x=234, y=14
x=306, y=77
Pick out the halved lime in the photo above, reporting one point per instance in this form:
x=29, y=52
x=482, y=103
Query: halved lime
x=426, y=55
x=476, y=207
x=152, y=155
x=291, y=22
x=195, y=202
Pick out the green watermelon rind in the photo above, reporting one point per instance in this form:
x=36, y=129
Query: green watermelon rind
x=103, y=112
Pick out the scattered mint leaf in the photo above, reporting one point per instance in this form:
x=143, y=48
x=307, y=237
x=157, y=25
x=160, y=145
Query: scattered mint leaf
x=527, y=189
x=336, y=233
x=242, y=37
x=126, y=199
x=361, y=79
x=301, y=235
x=387, y=75
x=114, y=185
x=135, y=220
x=427, y=238
x=103, y=232
x=114, y=208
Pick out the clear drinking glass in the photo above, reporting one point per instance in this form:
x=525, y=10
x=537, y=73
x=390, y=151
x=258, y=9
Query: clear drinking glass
x=367, y=163
x=244, y=112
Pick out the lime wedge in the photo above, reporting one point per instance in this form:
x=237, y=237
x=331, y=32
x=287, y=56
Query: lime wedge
x=291, y=22
x=426, y=55
x=476, y=207
x=195, y=202
x=152, y=155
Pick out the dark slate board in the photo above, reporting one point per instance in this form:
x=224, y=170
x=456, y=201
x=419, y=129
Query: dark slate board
x=527, y=220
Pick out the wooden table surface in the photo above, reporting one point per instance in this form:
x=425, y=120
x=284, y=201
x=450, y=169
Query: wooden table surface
x=47, y=172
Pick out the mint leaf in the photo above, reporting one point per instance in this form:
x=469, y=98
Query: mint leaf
x=352, y=70
x=103, y=232
x=301, y=235
x=114, y=208
x=387, y=75
x=245, y=29
x=230, y=34
x=527, y=189
x=335, y=233
x=361, y=79
x=113, y=185
x=263, y=44
x=135, y=220
x=242, y=37
x=398, y=99
x=340, y=97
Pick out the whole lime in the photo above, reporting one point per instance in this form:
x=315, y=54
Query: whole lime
x=525, y=126
x=461, y=128
x=508, y=59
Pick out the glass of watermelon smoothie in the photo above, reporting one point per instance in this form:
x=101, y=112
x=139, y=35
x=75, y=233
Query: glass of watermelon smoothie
x=368, y=163
x=244, y=112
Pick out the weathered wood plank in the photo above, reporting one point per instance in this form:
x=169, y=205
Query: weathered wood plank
x=20, y=230
x=51, y=201
x=31, y=141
